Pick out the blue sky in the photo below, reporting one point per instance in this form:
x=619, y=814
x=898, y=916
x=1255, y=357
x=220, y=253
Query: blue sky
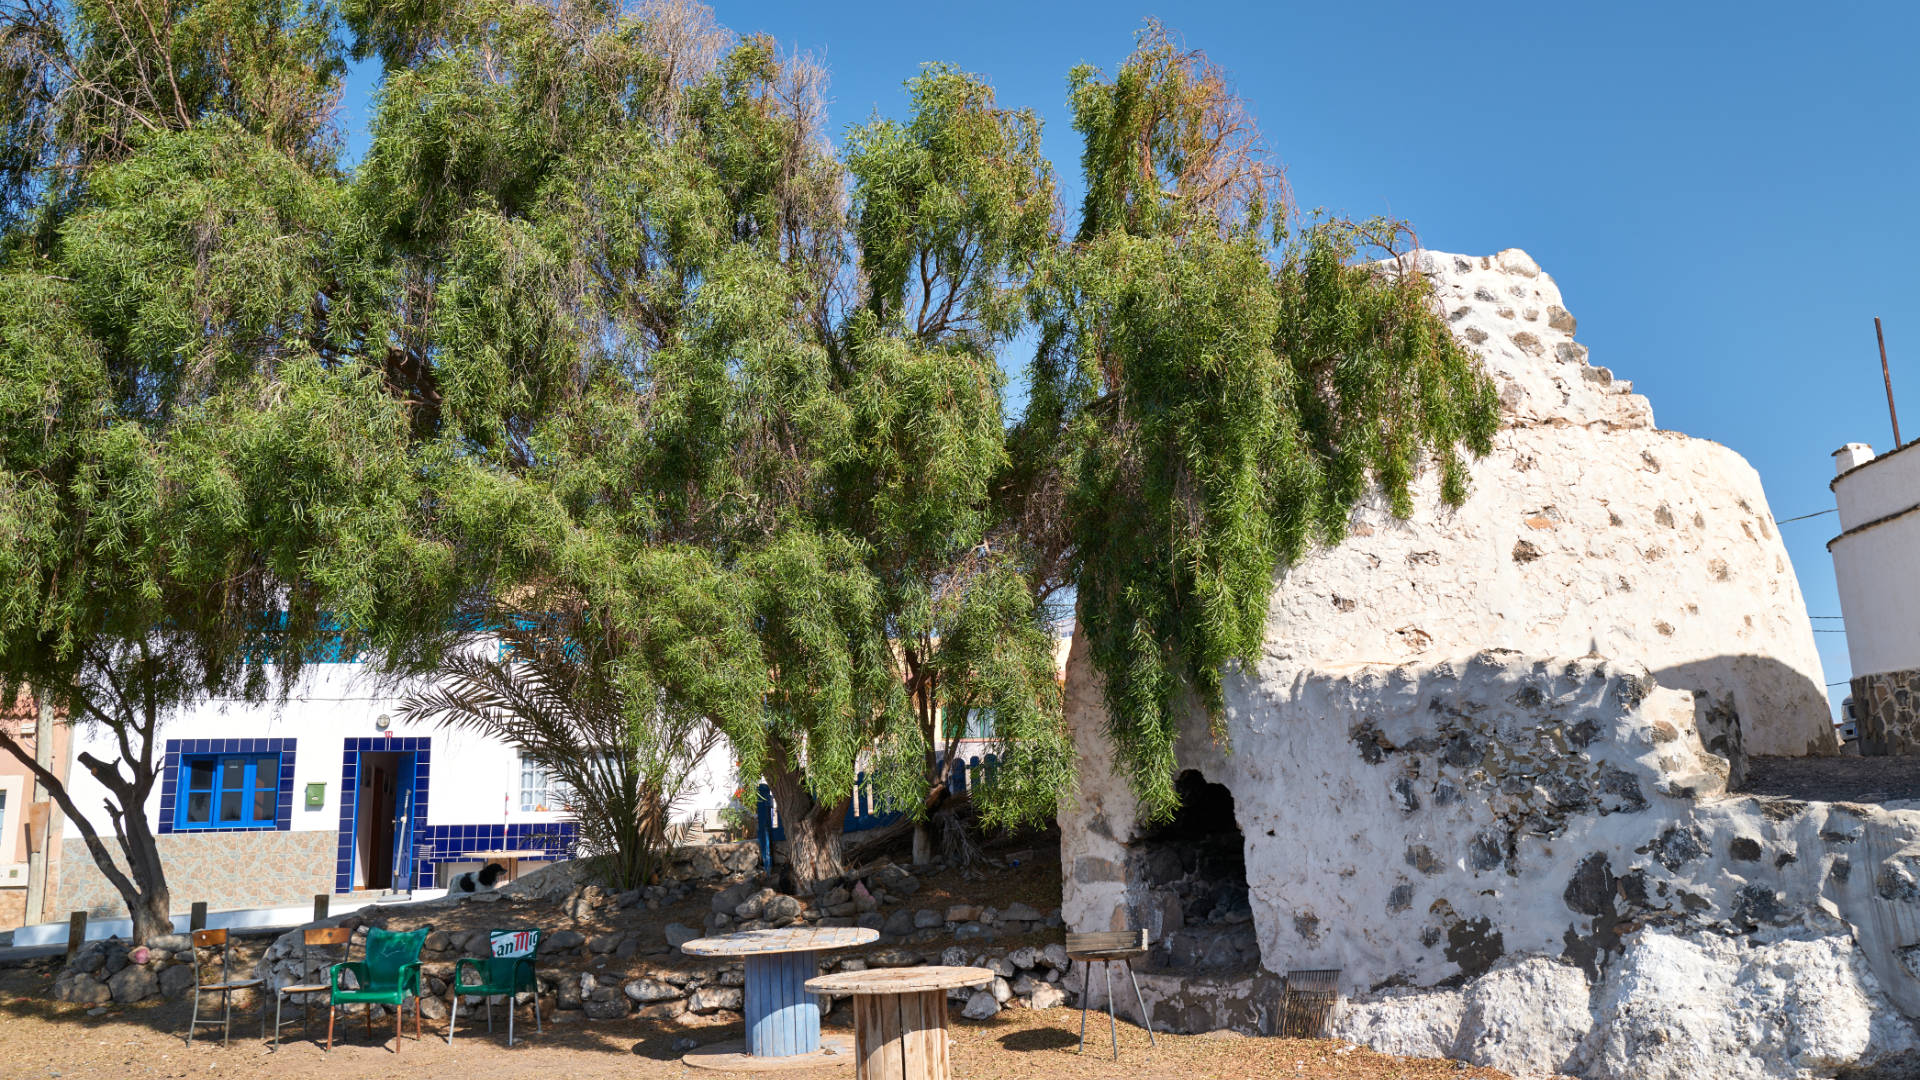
x=1724, y=192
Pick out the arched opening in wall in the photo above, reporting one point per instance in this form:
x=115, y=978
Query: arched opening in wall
x=1192, y=871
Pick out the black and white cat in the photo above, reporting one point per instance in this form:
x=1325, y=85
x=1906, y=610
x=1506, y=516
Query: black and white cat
x=485, y=879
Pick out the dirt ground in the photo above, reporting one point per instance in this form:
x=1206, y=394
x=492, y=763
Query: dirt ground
x=41, y=1039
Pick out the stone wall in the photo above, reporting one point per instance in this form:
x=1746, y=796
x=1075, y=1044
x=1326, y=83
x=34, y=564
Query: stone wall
x=1513, y=859
x=227, y=870
x=1482, y=766
x=1587, y=531
x=1887, y=706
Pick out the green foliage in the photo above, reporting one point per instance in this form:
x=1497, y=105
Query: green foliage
x=601, y=326
x=552, y=692
x=1217, y=407
x=607, y=256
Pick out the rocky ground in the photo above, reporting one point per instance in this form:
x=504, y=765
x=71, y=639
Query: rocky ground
x=620, y=997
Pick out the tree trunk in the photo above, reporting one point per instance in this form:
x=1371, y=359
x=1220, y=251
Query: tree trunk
x=149, y=900
x=813, y=828
x=152, y=914
x=143, y=884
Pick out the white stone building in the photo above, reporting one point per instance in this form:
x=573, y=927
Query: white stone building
x=1491, y=768
x=1876, y=563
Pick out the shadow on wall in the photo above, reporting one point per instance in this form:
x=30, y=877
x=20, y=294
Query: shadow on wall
x=1754, y=705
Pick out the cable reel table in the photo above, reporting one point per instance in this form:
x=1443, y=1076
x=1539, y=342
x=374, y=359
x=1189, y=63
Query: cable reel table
x=900, y=1017
x=783, y=1017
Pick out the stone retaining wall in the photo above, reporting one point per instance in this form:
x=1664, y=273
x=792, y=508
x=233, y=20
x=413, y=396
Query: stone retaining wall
x=1887, y=706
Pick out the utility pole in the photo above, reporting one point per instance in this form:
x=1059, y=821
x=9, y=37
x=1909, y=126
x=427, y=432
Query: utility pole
x=1888, y=376
x=40, y=818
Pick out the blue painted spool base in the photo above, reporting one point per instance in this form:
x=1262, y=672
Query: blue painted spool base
x=783, y=1017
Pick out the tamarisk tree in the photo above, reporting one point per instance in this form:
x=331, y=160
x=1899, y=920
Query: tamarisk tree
x=195, y=484
x=1213, y=395
x=742, y=397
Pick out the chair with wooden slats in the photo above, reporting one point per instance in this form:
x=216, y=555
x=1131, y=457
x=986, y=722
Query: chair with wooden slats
x=310, y=980
x=226, y=987
x=1108, y=948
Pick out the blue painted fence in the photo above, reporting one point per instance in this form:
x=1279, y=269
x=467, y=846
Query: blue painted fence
x=864, y=811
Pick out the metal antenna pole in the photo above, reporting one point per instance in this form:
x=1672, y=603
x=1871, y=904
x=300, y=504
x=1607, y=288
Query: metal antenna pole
x=1888, y=376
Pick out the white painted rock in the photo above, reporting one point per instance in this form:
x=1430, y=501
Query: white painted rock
x=1525, y=1017
x=1800, y=1005
x=980, y=1006
x=1047, y=996
x=1403, y=1022
x=1795, y=1007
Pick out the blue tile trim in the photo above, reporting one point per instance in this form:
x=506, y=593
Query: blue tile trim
x=170, y=779
x=435, y=842
x=422, y=749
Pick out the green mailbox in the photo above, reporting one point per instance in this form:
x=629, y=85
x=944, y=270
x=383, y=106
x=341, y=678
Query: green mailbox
x=316, y=795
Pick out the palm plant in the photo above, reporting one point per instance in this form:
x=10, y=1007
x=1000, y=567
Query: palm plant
x=556, y=688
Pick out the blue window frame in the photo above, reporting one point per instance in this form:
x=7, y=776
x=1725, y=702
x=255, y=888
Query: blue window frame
x=227, y=791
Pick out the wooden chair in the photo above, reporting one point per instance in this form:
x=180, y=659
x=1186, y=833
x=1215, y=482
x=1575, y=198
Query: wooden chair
x=387, y=973
x=213, y=940
x=1108, y=948
x=308, y=981
x=504, y=974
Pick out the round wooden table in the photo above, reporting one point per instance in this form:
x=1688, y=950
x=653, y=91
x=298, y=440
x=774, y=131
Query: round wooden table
x=783, y=1017
x=900, y=1017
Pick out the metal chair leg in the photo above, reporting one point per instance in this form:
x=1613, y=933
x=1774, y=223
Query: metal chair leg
x=226, y=1017
x=510, y=1011
x=194, y=1021
x=536, y=1011
x=1113, y=1025
x=1137, y=996
x=453, y=1017
x=1086, y=982
x=279, y=999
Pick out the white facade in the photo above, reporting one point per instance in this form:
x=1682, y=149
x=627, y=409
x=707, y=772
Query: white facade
x=344, y=734
x=1876, y=557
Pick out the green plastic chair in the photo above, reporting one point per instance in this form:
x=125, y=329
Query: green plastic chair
x=504, y=974
x=388, y=971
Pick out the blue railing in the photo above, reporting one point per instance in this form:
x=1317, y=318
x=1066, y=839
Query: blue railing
x=864, y=811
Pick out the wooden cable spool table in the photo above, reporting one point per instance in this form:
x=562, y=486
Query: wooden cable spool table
x=783, y=1017
x=900, y=1017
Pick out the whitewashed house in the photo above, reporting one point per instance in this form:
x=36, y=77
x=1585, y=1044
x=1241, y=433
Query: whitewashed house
x=332, y=792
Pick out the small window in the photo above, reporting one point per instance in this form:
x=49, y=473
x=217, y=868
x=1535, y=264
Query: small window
x=539, y=789
x=228, y=791
x=979, y=725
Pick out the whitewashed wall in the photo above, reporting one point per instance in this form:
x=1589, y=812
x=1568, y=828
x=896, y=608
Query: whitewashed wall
x=475, y=779
x=1877, y=567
